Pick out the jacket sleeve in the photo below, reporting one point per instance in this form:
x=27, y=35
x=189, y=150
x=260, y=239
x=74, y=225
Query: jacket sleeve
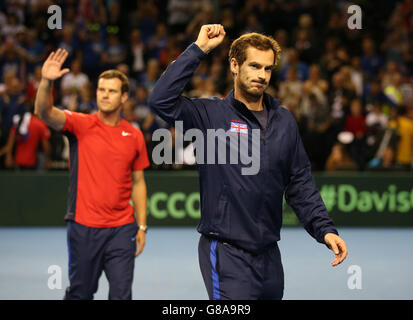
x=166, y=98
x=302, y=195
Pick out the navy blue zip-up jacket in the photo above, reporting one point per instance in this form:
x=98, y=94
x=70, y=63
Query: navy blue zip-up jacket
x=245, y=210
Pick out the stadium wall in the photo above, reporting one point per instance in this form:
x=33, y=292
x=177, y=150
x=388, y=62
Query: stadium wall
x=353, y=199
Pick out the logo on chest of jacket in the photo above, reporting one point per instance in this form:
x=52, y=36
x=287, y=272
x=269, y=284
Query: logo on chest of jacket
x=125, y=134
x=238, y=127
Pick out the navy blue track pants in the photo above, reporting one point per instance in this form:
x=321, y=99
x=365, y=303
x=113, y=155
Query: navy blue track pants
x=231, y=273
x=93, y=250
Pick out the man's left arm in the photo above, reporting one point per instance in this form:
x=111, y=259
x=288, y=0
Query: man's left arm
x=139, y=203
x=302, y=195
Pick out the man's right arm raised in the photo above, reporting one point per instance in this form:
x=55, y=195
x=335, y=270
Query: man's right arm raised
x=166, y=98
x=43, y=105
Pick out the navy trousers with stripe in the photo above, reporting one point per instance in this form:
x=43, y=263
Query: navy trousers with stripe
x=94, y=250
x=231, y=273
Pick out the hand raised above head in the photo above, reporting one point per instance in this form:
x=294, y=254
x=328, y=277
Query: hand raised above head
x=51, y=69
x=210, y=36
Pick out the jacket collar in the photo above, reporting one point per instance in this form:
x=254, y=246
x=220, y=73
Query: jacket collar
x=270, y=102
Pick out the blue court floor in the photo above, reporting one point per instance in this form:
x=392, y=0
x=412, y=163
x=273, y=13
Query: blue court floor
x=379, y=265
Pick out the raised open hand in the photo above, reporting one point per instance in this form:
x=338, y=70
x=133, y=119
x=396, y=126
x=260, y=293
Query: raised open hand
x=51, y=69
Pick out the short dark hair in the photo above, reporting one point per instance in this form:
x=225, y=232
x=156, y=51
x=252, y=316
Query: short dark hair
x=110, y=74
x=256, y=40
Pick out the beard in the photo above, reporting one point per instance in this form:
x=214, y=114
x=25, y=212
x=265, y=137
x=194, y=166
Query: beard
x=251, y=92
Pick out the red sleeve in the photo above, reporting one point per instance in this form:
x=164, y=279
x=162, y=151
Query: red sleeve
x=141, y=161
x=76, y=122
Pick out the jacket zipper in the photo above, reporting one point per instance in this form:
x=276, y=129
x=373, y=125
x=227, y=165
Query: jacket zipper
x=263, y=138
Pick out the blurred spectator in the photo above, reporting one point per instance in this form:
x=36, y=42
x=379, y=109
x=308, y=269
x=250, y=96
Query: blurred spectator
x=32, y=86
x=217, y=74
x=144, y=115
x=290, y=91
x=304, y=46
x=339, y=159
x=314, y=98
x=197, y=87
x=329, y=60
x=356, y=75
x=335, y=25
x=34, y=50
x=391, y=71
x=128, y=112
x=393, y=44
x=72, y=82
x=392, y=92
x=252, y=24
x=204, y=16
x=304, y=39
x=293, y=62
x=136, y=54
x=151, y=75
x=376, y=117
x=408, y=54
x=114, y=52
x=229, y=23
x=371, y=62
x=11, y=59
x=314, y=122
x=12, y=27
x=179, y=14
x=384, y=157
x=305, y=23
x=339, y=100
x=83, y=100
x=404, y=127
x=158, y=41
x=145, y=18
x=374, y=93
x=114, y=17
x=7, y=79
x=315, y=80
x=92, y=47
x=376, y=122
x=170, y=52
x=124, y=68
x=26, y=135
x=44, y=35
x=281, y=36
x=69, y=43
x=356, y=124
x=3, y=20
x=348, y=79
x=12, y=102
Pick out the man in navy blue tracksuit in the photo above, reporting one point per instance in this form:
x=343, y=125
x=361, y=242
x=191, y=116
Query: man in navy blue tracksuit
x=241, y=214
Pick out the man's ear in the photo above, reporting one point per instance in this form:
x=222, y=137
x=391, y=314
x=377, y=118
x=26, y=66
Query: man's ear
x=125, y=97
x=234, y=66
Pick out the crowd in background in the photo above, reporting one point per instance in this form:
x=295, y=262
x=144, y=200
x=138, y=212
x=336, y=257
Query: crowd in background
x=351, y=91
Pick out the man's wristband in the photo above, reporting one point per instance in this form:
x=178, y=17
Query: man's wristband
x=143, y=228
